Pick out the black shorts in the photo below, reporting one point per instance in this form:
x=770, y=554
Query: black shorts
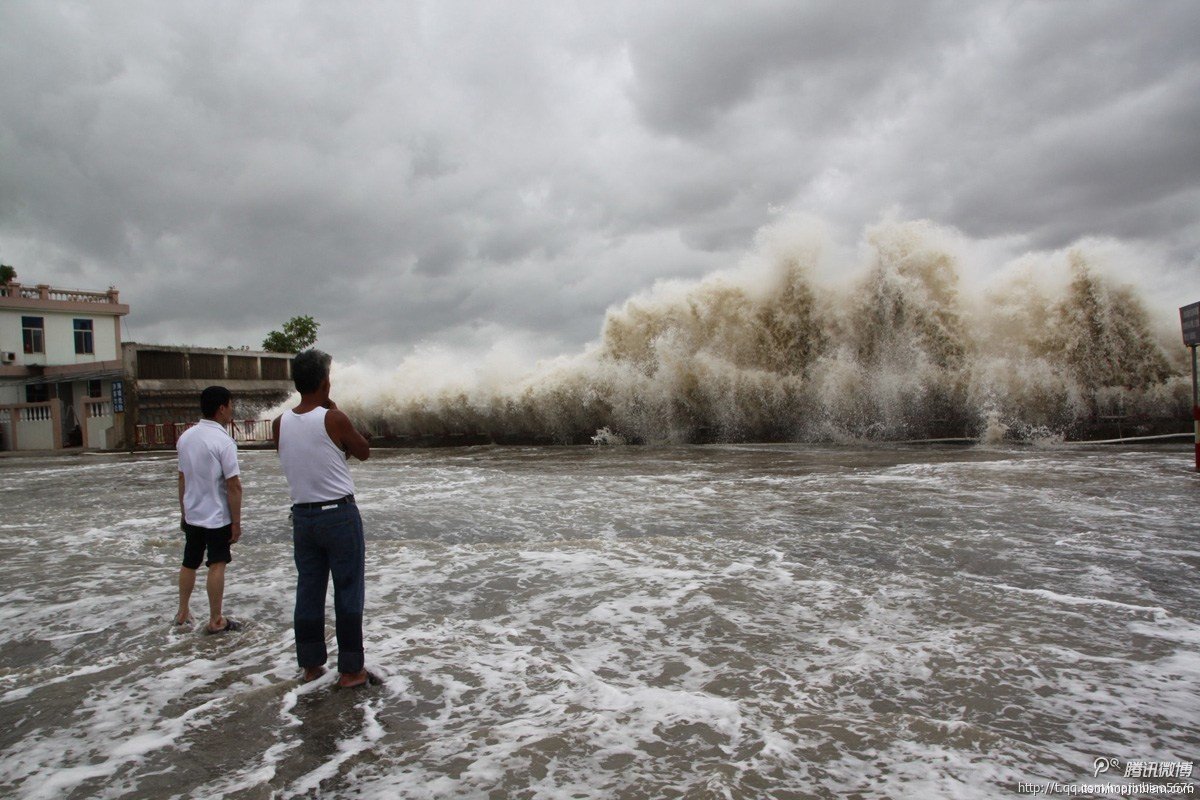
x=197, y=539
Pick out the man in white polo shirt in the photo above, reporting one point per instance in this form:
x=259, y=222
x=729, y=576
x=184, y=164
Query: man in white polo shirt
x=210, y=500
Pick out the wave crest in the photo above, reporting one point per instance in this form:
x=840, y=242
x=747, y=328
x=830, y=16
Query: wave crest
x=899, y=352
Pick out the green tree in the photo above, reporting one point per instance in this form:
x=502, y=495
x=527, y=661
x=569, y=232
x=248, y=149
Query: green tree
x=7, y=274
x=298, y=333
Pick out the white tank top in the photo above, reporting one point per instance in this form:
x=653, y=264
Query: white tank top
x=315, y=467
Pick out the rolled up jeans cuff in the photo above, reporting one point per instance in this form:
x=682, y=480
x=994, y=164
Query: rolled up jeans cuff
x=310, y=643
x=350, y=642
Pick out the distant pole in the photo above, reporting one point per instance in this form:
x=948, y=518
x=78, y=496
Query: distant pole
x=1196, y=406
x=1189, y=319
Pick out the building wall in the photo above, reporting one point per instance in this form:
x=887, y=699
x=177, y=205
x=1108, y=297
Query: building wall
x=92, y=422
x=36, y=433
x=97, y=417
x=59, y=337
x=62, y=375
x=10, y=334
x=164, y=383
x=85, y=412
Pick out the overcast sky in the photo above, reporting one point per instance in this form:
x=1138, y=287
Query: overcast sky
x=463, y=173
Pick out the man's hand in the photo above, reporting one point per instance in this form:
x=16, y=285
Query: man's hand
x=236, y=529
x=182, y=523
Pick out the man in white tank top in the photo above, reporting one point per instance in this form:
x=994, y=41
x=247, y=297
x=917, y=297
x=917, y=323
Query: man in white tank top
x=315, y=440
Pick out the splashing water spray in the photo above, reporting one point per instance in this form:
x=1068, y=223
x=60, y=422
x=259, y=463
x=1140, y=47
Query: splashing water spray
x=776, y=350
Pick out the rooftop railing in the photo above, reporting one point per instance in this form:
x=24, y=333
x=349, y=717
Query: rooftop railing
x=46, y=292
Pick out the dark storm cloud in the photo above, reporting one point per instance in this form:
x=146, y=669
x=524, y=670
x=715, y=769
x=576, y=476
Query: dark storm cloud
x=422, y=171
x=817, y=59
x=1065, y=127
x=1045, y=122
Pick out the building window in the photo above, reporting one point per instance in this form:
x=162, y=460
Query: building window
x=95, y=388
x=39, y=393
x=83, y=337
x=33, y=334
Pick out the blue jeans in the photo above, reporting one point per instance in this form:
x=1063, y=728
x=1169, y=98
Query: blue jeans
x=329, y=542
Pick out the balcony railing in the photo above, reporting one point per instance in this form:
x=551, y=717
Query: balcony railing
x=45, y=292
x=100, y=408
x=29, y=426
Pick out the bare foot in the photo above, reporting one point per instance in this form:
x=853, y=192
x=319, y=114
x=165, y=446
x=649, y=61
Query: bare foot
x=349, y=680
x=312, y=673
x=184, y=619
x=223, y=624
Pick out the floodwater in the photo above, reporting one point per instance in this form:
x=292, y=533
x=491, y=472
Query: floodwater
x=620, y=622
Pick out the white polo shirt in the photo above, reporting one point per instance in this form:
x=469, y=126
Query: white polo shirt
x=207, y=458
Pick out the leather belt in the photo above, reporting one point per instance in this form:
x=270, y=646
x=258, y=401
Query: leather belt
x=341, y=501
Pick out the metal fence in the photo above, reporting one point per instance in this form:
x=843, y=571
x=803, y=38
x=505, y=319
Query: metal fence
x=166, y=434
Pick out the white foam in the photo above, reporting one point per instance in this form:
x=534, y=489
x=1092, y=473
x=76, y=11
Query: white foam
x=1074, y=600
x=592, y=625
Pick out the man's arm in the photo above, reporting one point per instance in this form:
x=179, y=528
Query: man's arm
x=275, y=432
x=341, y=431
x=182, y=513
x=233, y=487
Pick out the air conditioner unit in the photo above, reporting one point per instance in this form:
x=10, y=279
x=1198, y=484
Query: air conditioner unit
x=8, y=357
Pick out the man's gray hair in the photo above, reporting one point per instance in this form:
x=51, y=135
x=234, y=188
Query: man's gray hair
x=309, y=369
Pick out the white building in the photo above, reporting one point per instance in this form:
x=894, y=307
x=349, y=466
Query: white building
x=60, y=368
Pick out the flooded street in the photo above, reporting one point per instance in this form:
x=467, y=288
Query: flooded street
x=745, y=621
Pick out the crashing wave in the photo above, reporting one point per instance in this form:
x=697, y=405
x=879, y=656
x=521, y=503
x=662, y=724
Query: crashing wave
x=900, y=352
